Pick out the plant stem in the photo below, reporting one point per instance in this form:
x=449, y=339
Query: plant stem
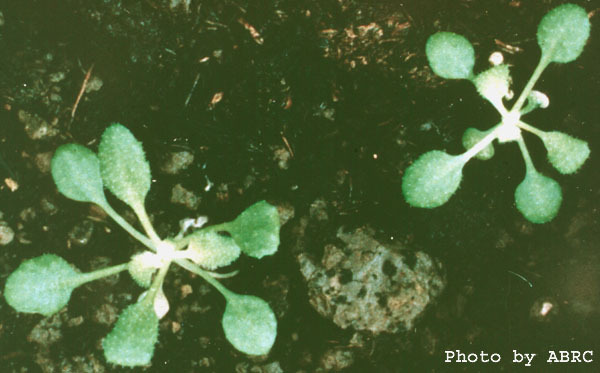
x=544, y=61
x=157, y=283
x=125, y=225
x=218, y=227
x=531, y=129
x=481, y=144
x=499, y=105
x=223, y=275
x=142, y=215
x=182, y=242
x=529, y=167
x=206, y=276
x=534, y=101
x=100, y=273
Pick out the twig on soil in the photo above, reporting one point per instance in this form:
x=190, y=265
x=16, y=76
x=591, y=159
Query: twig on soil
x=5, y=166
x=187, y=100
x=85, y=81
x=521, y=277
x=287, y=144
x=507, y=47
x=255, y=34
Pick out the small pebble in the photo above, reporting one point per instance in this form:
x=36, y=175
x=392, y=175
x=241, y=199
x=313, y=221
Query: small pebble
x=282, y=156
x=177, y=162
x=81, y=233
x=57, y=77
x=42, y=161
x=94, y=84
x=36, y=127
x=182, y=196
x=6, y=234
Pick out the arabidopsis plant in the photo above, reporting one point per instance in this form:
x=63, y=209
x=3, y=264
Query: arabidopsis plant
x=44, y=284
x=435, y=176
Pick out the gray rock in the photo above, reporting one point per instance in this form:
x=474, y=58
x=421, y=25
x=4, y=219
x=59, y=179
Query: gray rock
x=94, y=84
x=36, y=127
x=43, y=161
x=48, y=330
x=336, y=359
x=81, y=233
x=368, y=286
x=6, y=234
x=182, y=196
x=48, y=206
x=282, y=156
x=177, y=162
x=106, y=314
x=56, y=77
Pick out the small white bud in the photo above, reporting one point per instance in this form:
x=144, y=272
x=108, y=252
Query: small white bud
x=161, y=304
x=496, y=58
x=188, y=223
x=541, y=99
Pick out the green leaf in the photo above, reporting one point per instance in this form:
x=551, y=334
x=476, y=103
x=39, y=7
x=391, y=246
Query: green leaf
x=432, y=179
x=249, y=324
x=256, y=230
x=212, y=250
x=76, y=173
x=563, y=32
x=535, y=99
x=142, y=266
x=538, y=197
x=565, y=153
x=41, y=285
x=450, y=55
x=131, y=342
x=493, y=84
x=471, y=137
x=123, y=165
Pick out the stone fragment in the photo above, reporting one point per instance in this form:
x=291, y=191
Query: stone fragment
x=177, y=162
x=363, y=284
x=182, y=196
x=36, y=127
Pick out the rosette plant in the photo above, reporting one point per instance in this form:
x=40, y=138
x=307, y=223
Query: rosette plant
x=44, y=284
x=435, y=176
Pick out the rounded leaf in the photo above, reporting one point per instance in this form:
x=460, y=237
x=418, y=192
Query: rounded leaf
x=471, y=137
x=212, y=250
x=142, y=266
x=565, y=153
x=450, y=55
x=538, y=198
x=123, y=165
x=563, y=32
x=41, y=285
x=535, y=99
x=131, y=342
x=432, y=179
x=256, y=230
x=493, y=84
x=76, y=173
x=161, y=304
x=249, y=324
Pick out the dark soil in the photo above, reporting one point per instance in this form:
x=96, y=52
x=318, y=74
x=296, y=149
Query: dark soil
x=291, y=101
